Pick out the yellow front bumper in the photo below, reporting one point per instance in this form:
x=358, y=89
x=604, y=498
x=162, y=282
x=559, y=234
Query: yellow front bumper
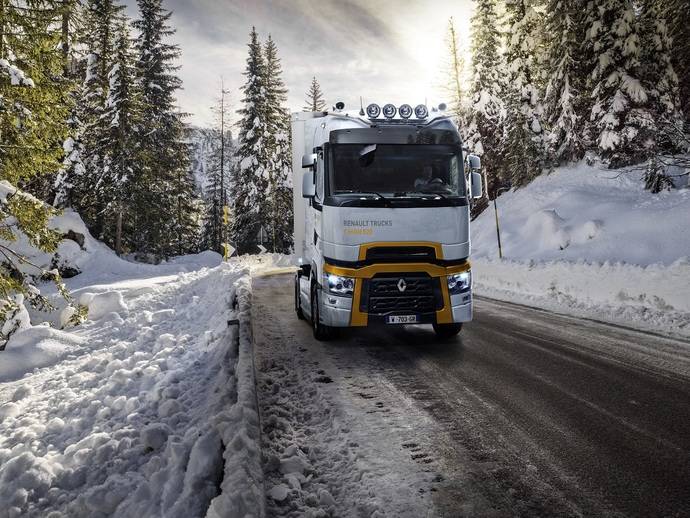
x=360, y=319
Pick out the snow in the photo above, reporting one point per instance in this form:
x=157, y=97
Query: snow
x=128, y=416
x=593, y=243
x=16, y=75
x=34, y=347
x=101, y=304
x=146, y=409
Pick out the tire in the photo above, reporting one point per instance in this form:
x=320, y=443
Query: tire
x=298, y=302
x=446, y=331
x=321, y=332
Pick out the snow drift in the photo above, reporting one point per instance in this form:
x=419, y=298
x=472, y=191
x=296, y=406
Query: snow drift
x=144, y=410
x=593, y=243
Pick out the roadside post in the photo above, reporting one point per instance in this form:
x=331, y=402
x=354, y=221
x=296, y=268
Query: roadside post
x=498, y=230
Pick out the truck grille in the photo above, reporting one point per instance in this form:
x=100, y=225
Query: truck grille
x=381, y=294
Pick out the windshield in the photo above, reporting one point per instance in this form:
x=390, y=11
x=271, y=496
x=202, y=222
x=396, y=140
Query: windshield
x=396, y=170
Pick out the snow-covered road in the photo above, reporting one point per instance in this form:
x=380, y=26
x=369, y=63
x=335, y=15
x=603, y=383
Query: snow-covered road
x=526, y=414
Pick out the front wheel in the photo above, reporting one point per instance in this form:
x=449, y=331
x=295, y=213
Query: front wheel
x=445, y=331
x=321, y=331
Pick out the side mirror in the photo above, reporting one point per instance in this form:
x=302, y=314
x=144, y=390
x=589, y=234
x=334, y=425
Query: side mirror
x=474, y=162
x=308, y=186
x=309, y=161
x=476, y=184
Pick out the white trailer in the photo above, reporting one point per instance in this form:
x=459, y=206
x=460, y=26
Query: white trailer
x=381, y=212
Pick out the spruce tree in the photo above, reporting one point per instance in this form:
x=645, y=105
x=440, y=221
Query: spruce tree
x=315, y=101
x=163, y=196
x=486, y=110
x=661, y=81
x=620, y=121
x=33, y=115
x=676, y=17
x=71, y=27
x=253, y=167
x=279, y=194
x=523, y=147
x=563, y=103
x=91, y=186
x=122, y=110
x=659, y=75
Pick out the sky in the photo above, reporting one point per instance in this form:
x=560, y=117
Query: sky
x=381, y=50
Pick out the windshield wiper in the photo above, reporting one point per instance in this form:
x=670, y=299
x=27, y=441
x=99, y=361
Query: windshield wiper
x=380, y=196
x=442, y=196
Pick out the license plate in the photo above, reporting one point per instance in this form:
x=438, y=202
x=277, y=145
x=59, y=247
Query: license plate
x=402, y=319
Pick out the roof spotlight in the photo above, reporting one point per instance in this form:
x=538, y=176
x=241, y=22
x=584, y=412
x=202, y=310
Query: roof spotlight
x=442, y=107
x=340, y=105
x=389, y=111
x=373, y=111
x=405, y=111
x=421, y=112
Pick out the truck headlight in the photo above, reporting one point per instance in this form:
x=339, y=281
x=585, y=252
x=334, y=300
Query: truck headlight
x=338, y=285
x=459, y=282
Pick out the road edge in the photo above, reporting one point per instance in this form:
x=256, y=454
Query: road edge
x=243, y=493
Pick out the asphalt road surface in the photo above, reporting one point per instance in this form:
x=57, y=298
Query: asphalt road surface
x=526, y=413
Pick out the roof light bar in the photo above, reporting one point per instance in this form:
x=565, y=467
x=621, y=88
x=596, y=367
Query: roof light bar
x=373, y=111
x=389, y=111
x=405, y=111
x=421, y=112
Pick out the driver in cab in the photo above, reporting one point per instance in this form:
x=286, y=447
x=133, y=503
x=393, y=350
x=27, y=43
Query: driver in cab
x=427, y=179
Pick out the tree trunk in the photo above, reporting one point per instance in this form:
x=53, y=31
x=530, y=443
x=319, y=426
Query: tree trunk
x=118, y=233
x=66, y=11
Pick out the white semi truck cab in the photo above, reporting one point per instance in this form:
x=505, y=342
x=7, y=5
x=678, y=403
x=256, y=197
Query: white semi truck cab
x=381, y=214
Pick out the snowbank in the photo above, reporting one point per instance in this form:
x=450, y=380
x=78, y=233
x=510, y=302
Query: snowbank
x=147, y=409
x=35, y=347
x=592, y=243
x=242, y=489
x=655, y=298
x=585, y=213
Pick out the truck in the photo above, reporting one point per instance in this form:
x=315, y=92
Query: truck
x=381, y=218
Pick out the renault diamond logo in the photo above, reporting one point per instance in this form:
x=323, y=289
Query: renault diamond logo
x=402, y=285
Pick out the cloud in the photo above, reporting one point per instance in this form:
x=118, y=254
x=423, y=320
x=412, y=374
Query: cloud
x=354, y=48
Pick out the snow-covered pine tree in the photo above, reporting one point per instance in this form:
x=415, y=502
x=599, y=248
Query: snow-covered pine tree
x=661, y=82
x=315, y=101
x=279, y=195
x=163, y=194
x=620, y=121
x=33, y=113
x=563, y=103
x=676, y=17
x=523, y=147
x=71, y=14
x=454, y=71
x=486, y=111
x=122, y=110
x=251, y=176
x=91, y=191
x=30, y=37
